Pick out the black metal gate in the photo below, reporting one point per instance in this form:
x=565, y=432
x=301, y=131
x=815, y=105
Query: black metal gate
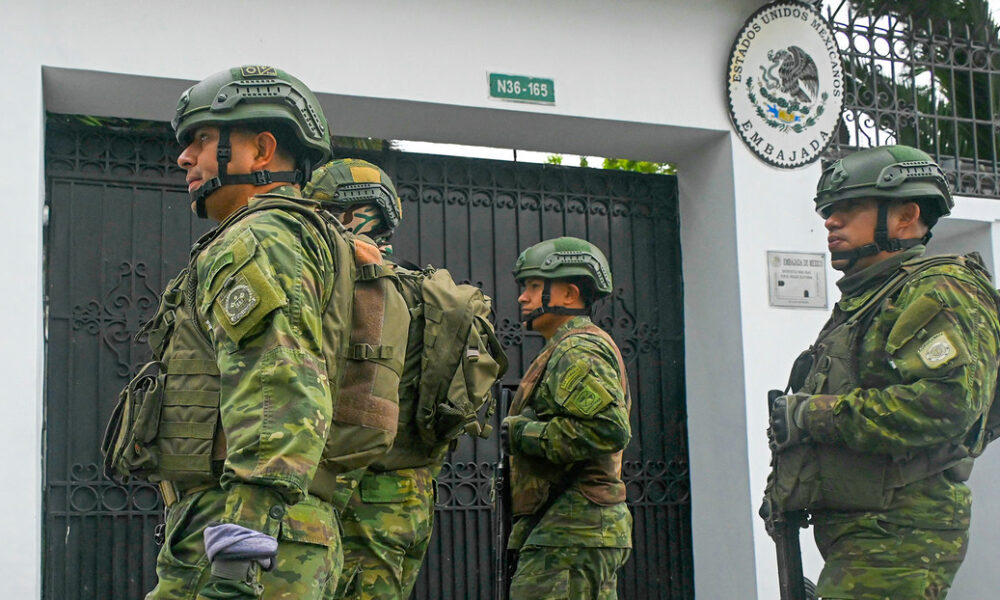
x=119, y=227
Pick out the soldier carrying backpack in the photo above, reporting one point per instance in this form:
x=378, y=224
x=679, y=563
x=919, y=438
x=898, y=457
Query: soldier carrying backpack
x=453, y=358
x=277, y=355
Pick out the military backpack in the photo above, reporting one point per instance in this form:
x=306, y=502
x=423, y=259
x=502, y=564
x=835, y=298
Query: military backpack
x=453, y=359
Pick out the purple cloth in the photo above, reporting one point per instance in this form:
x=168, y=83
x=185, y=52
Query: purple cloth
x=235, y=542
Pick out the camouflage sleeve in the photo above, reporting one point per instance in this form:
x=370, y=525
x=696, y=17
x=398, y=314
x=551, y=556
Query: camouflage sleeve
x=943, y=349
x=261, y=293
x=586, y=414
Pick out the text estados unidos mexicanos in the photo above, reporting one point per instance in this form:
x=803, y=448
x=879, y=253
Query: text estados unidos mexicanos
x=818, y=24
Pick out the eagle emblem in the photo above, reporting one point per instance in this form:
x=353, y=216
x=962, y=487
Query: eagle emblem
x=788, y=87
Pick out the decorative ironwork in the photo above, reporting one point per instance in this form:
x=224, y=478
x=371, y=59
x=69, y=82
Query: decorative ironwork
x=119, y=228
x=925, y=83
x=465, y=485
x=656, y=483
x=652, y=483
x=124, y=309
x=633, y=337
x=510, y=332
x=119, y=148
x=87, y=492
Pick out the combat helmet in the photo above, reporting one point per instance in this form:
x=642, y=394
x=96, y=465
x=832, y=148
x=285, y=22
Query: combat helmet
x=885, y=173
x=563, y=258
x=348, y=182
x=254, y=95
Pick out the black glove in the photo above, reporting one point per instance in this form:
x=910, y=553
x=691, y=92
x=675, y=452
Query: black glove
x=787, y=421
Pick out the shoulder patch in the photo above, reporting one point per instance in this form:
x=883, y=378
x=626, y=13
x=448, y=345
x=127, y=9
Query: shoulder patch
x=573, y=375
x=239, y=299
x=243, y=297
x=937, y=351
x=588, y=398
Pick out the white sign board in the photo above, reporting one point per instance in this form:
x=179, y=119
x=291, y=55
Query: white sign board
x=796, y=279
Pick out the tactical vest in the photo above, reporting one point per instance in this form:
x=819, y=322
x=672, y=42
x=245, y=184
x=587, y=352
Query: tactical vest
x=533, y=479
x=832, y=477
x=166, y=424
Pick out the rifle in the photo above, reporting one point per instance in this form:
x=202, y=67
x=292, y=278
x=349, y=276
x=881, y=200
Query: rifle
x=505, y=559
x=784, y=530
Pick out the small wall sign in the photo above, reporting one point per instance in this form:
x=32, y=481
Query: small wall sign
x=796, y=279
x=522, y=88
x=786, y=84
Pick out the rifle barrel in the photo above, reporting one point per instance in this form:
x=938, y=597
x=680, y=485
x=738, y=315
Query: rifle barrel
x=791, y=580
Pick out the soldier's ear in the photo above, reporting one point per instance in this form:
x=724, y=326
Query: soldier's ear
x=907, y=214
x=266, y=147
x=573, y=295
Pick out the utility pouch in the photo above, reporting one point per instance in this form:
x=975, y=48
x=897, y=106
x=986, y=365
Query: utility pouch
x=128, y=440
x=835, y=478
x=961, y=471
x=807, y=479
x=159, y=327
x=800, y=370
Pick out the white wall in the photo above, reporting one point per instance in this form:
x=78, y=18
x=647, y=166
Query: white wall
x=21, y=317
x=639, y=79
x=775, y=212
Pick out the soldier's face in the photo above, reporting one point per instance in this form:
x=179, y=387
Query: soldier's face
x=365, y=219
x=200, y=159
x=531, y=299
x=851, y=224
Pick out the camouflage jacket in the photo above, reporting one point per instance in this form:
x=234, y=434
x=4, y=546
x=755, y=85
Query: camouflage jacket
x=913, y=395
x=561, y=434
x=261, y=286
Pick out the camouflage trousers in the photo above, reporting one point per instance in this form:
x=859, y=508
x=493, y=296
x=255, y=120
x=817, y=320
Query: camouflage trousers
x=871, y=559
x=572, y=573
x=306, y=568
x=387, y=528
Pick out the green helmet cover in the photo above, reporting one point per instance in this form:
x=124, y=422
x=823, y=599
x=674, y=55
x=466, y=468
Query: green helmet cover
x=344, y=183
x=256, y=94
x=564, y=258
x=885, y=173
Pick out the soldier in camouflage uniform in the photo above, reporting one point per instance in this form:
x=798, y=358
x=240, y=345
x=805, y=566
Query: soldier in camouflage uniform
x=566, y=430
x=889, y=404
x=387, y=523
x=256, y=284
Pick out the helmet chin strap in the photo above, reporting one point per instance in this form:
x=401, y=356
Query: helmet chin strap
x=223, y=154
x=529, y=319
x=881, y=242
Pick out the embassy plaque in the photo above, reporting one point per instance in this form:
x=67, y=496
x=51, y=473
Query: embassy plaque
x=796, y=279
x=786, y=84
